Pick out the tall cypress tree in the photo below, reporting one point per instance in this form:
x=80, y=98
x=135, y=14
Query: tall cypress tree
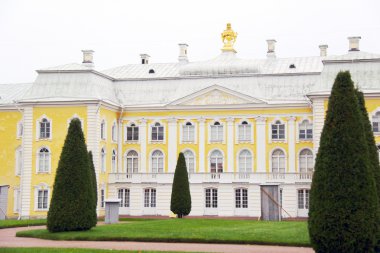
x=94, y=186
x=72, y=200
x=373, y=157
x=343, y=200
x=181, y=198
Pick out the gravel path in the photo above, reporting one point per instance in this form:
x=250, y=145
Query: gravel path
x=8, y=239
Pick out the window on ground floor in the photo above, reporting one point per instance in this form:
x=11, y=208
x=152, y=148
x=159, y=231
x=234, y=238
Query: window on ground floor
x=150, y=197
x=303, y=199
x=211, y=198
x=241, y=198
x=123, y=195
x=102, y=198
x=42, y=199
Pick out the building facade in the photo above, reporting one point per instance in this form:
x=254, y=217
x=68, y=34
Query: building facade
x=249, y=129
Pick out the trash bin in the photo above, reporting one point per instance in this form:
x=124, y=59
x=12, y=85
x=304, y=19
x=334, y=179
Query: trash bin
x=112, y=210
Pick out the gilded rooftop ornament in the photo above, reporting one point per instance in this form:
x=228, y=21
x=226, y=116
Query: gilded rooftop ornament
x=228, y=38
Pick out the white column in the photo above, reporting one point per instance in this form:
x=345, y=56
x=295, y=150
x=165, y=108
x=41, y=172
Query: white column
x=26, y=172
x=318, y=122
x=292, y=143
x=172, y=144
x=230, y=144
x=202, y=144
x=120, y=146
x=261, y=154
x=142, y=138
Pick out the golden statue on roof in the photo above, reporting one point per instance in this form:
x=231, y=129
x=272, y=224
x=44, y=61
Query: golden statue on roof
x=228, y=38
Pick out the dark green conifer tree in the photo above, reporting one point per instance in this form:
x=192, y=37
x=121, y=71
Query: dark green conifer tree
x=72, y=201
x=373, y=157
x=181, y=198
x=94, y=186
x=343, y=199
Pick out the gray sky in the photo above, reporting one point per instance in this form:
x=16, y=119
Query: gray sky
x=42, y=33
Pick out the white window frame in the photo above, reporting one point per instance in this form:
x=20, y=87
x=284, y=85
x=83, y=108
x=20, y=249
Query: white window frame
x=238, y=161
x=103, y=160
x=114, y=132
x=249, y=132
x=151, y=161
x=274, y=122
x=133, y=158
x=124, y=194
x=20, y=129
x=151, y=132
x=299, y=161
x=300, y=128
x=41, y=187
x=132, y=125
x=223, y=161
x=103, y=130
x=185, y=134
x=114, y=161
x=305, y=199
x=48, y=161
x=220, y=134
x=19, y=162
x=211, y=201
x=241, y=202
x=38, y=128
x=149, y=197
x=187, y=160
x=271, y=161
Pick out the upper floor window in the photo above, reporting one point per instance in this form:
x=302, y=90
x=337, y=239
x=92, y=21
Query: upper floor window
x=245, y=161
x=19, y=161
x=245, y=131
x=216, y=132
x=306, y=161
x=45, y=129
x=157, y=132
x=241, y=198
x=43, y=160
x=278, y=130
x=190, y=161
x=216, y=162
x=132, y=162
x=114, y=132
x=113, y=161
x=103, y=160
x=376, y=123
x=132, y=132
x=278, y=161
x=305, y=130
x=188, y=132
x=103, y=130
x=157, y=162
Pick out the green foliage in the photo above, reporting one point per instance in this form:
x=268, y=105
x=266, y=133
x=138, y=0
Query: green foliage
x=94, y=187
x=181, y=198
x=72, y=201
x=343, y=199
x=373, y=156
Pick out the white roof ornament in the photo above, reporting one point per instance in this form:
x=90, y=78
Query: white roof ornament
x=271, y=48
x=144, y=58
x=354, y=43
x=182, y=58
x=88, y=58
x=323, y=50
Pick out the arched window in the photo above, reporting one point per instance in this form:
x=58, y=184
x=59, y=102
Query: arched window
x=376, y=123
x=245, y=131
x=45, y=129
x=132, y=132
x=188, y=132
x=113, y=161
x=278, y=161
x=216, y=162
x=216, y=132
x=278, y=130
x=114, y=132
x=103, y=160
x=190, y=161
x=157, y=162
x=132, y=162
x=103, y=130
x=245, y=161
x=306, y=161
x=157, y=132
x=43, y=160
x=305, y=130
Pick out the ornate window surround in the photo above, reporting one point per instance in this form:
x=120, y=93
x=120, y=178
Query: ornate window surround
x=237, y=162
x=125, y=157
x=270, y=159
x=129, y=124
x=38, y=160
x=237, y=124
x=212, y=123
x=38, y=128
x=270, y=140
x=181, y=125
x=298, y=123
x=40, y=187
x=150, y=161
x=152, y=124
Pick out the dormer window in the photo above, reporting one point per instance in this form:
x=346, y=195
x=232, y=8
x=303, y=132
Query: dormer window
x=292, y=66
x=157, y=132
x=278, y=130
x=188, y=132
x=216, y=132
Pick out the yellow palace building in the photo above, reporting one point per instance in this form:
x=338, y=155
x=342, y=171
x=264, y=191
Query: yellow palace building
x=249, y=129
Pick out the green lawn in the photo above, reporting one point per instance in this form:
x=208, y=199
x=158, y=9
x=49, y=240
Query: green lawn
x=190, y=230
x=59, y=250
x=20, y=223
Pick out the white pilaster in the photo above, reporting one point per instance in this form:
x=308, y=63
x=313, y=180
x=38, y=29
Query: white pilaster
x=318, y=122
x=261, y=144
x=142, y=138
x=292, y=143
x=172, y=144
x=26, y=172
x=230, y=144
x=120, y=146
x=202, y=144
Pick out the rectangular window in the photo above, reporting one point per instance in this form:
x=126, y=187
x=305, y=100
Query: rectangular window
x=132, y=133
x=216, y=133
x=157, y=133
x=188, y=133
x=102, y=198
x=211, y=198
x=16, y=203
x=376, y=127
x=42, y=199
x=241, y=198
x=278, y=132
x=124, y=195
x=150, y=198
x=303, y=199
x=244, y=132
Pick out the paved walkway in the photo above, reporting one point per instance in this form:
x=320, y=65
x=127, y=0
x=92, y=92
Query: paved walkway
x=8, y=239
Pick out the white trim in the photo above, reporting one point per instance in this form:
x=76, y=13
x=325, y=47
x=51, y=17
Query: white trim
x=261, y=145
x=143, y=143
x=292, y=143
x=38, y=121
x=172, y=144
x=40, y=187
x=270, y=140
x=163, y=160
x=202, y=144
x=38, y=160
